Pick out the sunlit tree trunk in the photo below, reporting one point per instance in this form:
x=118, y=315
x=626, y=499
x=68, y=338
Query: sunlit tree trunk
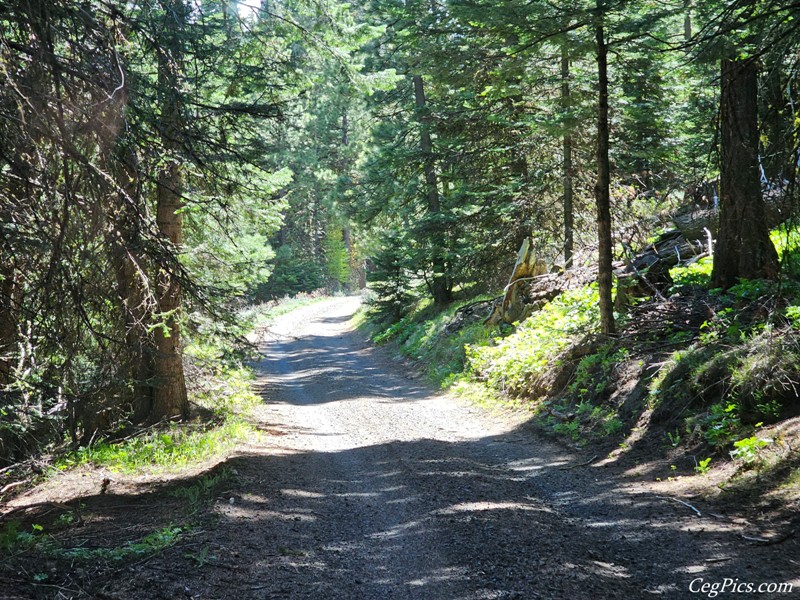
x=744, y=249
x=602, y=189
x=169, y=386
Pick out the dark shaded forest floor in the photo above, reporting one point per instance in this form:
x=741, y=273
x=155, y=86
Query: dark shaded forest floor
x=369, y=485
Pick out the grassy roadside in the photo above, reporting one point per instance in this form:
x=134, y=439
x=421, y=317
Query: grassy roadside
x=704, y=381
x=219, y=383
x=184, y=465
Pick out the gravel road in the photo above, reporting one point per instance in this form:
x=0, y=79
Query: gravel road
x=372, y=486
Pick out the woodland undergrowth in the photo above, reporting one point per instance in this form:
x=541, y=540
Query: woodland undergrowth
x=700, y=378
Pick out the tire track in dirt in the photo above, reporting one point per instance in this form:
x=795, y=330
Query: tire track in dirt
x=372, y=486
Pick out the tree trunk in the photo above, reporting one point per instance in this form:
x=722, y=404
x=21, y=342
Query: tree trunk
x=11, y=276
x=687, y=21
x=744, y=249
x=602, y=190
x=124, y=242
x=441, y=288
x=8, y=324
x=169, y=391
x=567, y=165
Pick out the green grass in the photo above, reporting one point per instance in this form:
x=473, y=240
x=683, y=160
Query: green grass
x=149, y=544
x=13, y=541
x=697, y=273
x=422, y=336
x=170, y=450
x=787, y=243
x=221, y=385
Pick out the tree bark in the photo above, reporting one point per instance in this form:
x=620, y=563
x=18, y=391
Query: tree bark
x=169, y=390
x=11, y=272
x=441, y=288
x=744, y=249
x=602, y=190
x=8, y=319
x=567, y=165
x=687, y=21
x=124, y=243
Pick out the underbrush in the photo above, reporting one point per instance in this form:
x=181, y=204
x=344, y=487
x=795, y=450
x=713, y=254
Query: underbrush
x=706, y=373
x=516, y=365
x=220, y=391
x=427, y=335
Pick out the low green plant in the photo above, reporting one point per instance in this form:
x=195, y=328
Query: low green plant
x=569, y=428
x=697, y=273
x=703, y=466
x=594, y=372
x=223, y=386
x=515, y=363
x=154, y=542
x=747, y=449
x=193, y=495
x=611, y=425
x=793, y=316
x=423, y=336
x=200, y=558
x=674, y=438
x=723, y=423
x=173, y=449
x=13, y=539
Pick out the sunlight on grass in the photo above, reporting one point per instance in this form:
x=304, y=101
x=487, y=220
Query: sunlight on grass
x=169, y=450
x=698, y=273
x=221, y=387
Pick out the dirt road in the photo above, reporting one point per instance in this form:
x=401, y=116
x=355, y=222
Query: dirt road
x=372, y=486
x=376, y=487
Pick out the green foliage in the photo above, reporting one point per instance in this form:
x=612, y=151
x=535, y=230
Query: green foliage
x=293, y=273
x=697, y=273
x=594, y=372
x=571, y=429
x=424, y=336
x=149, y=544
x=515, y=363
x=793, y=315
x=13, y=539
x=703, y=466
x=786, y=239
x=391, y=280
x=173, y=449
x=723, y=423
x=202, y=489
x=747, y=449
x=337, y=259
x=222, y=386
x=674, y=438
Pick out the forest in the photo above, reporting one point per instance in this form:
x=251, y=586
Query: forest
x=586, y=209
